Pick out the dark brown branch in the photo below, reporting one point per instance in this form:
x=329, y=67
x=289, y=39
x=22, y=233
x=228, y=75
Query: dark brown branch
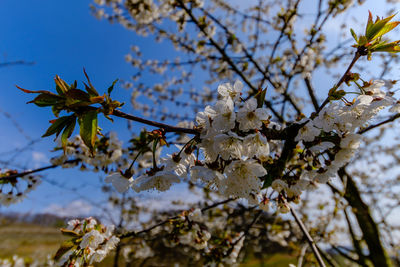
x=357, y=55
x=166, y=127
x=392, y=118
x=328, y=258
x=16, y=175
x=281, y=34
x=311, y=92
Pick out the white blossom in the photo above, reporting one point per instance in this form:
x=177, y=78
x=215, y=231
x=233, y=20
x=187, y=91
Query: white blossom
x=307, y=133
x=227, y=91
x=161, y=181
x=250, y=117
x=243, y=178
x=120, y=182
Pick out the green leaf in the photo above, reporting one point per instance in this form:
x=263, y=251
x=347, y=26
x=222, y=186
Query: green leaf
x=78, y=95
x=369, y=22
x=57, y=108
x=376, y=27
x=362, y=41
x=90, y=89
x=387, y=28
x=260, y=98
x=111, y=88
x=67, y=133
x=69, y=232
x=61, y=86
x=354, y=35
x=77, y=98
x=336, y=94
x=88, y=128
x=97, y=99
x=74, y=85
x=65, y=247
x=57, y=126
x=392, y=47
x=46, y=99
x=267, y=181
x=34, y=92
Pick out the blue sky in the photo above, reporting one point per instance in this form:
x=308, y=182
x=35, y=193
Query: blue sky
x=61, y=37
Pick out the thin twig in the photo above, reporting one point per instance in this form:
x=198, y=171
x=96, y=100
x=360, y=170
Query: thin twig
x=16, y=175
x=133, y=233
x=17, y=62
x=311, y=92
x=392, y=118
x=307, y=235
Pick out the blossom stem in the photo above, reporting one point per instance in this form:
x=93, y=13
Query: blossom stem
x=185, y=146
x=136, y=157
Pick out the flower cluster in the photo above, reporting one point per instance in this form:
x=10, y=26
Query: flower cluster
x=109, y=151
x=236, y=155
x=14, y=189
x=191, y=229
x=233, y=144
x=91, y=242
x=333, y=133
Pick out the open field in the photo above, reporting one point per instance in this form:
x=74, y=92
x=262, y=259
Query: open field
x=33, y=241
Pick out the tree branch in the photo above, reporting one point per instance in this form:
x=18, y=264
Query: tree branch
x=16, y=175
x=311, y=92
x=392, y=118
x=166, y=127
x=357, y=55
x=307, y=235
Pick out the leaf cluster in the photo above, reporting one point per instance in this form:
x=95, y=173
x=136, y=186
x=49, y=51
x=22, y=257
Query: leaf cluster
x=82, y=105
x=372, y=41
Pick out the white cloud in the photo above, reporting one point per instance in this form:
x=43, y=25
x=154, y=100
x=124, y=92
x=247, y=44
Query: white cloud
x=39, y=158
x=77, y=208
